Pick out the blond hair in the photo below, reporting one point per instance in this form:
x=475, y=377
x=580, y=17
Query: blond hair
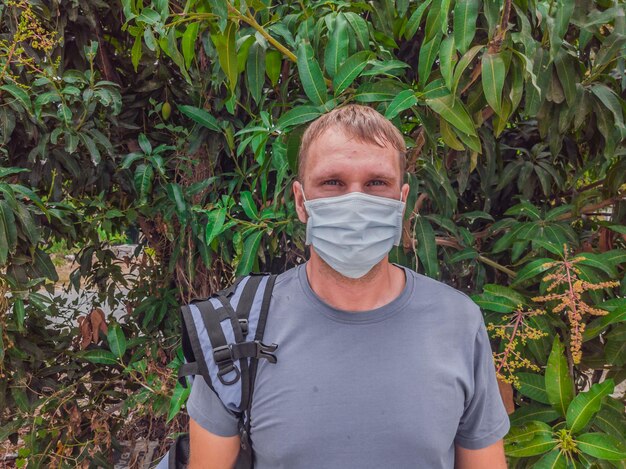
x=363, y=123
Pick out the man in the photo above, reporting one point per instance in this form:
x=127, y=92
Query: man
x=378, y=366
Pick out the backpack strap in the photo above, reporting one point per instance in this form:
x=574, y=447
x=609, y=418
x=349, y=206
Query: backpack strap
x=214, y=339
x=191, y=343
x=246, y=444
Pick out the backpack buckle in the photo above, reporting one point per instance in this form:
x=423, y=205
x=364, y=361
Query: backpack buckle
x=264, y=351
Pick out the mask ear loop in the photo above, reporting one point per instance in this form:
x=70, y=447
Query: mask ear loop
x=304, y=197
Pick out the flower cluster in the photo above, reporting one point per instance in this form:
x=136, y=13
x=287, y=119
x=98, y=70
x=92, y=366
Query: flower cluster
x=31, y=34
x=515, y=331
x=566, y=277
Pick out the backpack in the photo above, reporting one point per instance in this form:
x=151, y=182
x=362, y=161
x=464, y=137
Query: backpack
x=222, y=341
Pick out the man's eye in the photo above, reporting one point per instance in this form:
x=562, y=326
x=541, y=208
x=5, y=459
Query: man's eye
x=331, y=182
x=377, y=182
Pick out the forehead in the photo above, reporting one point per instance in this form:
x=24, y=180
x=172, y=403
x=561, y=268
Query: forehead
x=334, y=151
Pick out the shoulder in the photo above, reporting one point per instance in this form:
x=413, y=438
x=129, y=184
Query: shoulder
x=432, y=296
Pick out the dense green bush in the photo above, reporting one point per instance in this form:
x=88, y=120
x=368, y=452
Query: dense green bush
x=183, y=119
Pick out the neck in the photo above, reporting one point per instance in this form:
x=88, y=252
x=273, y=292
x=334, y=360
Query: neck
x=379, y=286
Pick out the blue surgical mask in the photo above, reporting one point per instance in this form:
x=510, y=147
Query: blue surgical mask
x=353, y=232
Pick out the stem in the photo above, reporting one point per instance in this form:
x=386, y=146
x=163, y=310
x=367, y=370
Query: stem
x=592, y=207
x=496, y=266
x=508, y=348
x=6, y=65
x=572, y=296
x=249, y=19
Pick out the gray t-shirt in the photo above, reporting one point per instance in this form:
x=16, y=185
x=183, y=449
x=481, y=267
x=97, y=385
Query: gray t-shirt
x=396, y=386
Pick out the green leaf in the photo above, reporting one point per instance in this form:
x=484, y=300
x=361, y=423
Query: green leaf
x=4, y=172
x=255, y=71
x=298, y=116
x=20, y=398
x=31, y=229
x=559, y=385
x=91, y=147
x=200, y=116
x=220, y=8
x=227, y=53
x=601, y=446
x=46, y=98
x=528, y=432
x=493, y=73
x=149, y=16
x=447, y=59
x=597, y=261
x=351, y=68
x=586, y=404
x=533, y=411
x=311, y=75
x=596, y=326
x=566, y=71
x=464, y=62
x=103, y=357
x=534, y=386
x=215, y=224
x=611, y=47
x=530, y=439
x=611, y=420
x=135, y=52
x=426, y=246
x=273, y=61
x=612, y=102
x=175, y=194
x=18, y=93
x=384, y=90
x=403, y=101
x=8, y=232
x=44, y=266
x=360, y=28
x=116, y=340
x=179, y=397
x=491, y=302
x=188, y=42
x=465, y=16
x=532, y=269
x=337, y=48
x=555, y=459
x=614, y=257
x=452, y=110
x=248, y=256
x=435, y=19
x=20, y=314
x=143, y=180
x=524, y=209
x=428, y=53
x=249, y=207
x=415, y=20
x=506, y=292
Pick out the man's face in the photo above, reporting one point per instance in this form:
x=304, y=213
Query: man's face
x=337, y=164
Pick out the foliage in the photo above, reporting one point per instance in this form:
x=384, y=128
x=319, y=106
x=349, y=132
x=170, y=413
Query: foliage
x=183, y=119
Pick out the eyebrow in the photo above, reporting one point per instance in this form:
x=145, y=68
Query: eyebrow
x=336, y=175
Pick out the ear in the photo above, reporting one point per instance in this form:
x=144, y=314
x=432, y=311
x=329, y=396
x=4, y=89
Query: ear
x=404, y=191
x=299, y=200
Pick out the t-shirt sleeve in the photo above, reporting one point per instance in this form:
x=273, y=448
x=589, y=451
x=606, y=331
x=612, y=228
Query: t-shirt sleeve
x=206, y=408
x=484, y=419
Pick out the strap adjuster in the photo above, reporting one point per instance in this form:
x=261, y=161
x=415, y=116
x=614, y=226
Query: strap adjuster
x=243, y=323
x=224, y=360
